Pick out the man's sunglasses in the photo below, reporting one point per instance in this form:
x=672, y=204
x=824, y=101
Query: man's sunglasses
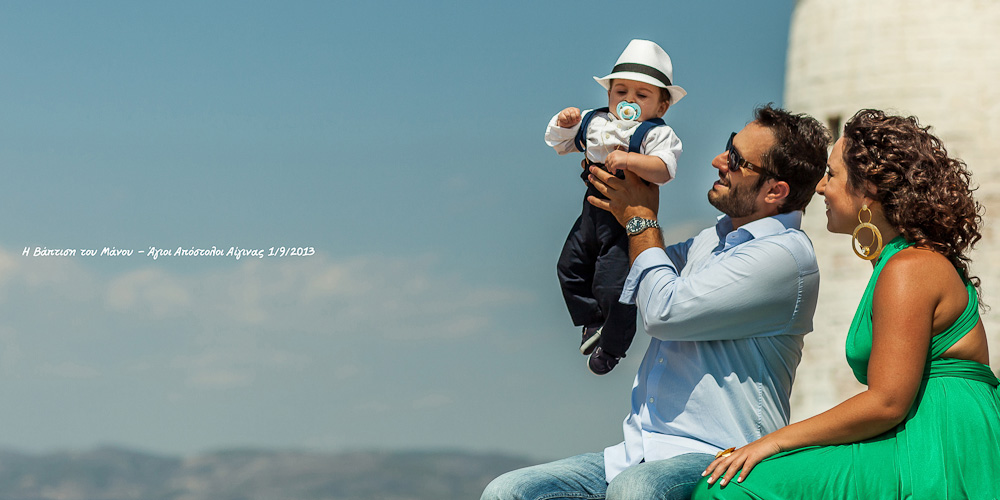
x=736, y=160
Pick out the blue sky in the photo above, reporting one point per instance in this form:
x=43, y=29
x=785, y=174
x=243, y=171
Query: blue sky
x=400, y=140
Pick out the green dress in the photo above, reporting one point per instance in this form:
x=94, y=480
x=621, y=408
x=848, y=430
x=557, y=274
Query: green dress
x=948, y=446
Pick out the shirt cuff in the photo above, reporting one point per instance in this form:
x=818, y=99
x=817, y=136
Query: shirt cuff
x=649, y=259
x=555, y=135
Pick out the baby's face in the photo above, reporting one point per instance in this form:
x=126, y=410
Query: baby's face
x=645, y=95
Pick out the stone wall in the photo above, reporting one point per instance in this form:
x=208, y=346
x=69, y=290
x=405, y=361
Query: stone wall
x=939, y=61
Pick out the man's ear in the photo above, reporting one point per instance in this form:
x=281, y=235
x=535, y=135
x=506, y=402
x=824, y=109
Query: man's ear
x=777, y=192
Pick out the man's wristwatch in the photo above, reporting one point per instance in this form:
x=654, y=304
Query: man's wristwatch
x=636, y=225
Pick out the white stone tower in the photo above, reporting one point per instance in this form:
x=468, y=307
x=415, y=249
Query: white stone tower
x=937, y=60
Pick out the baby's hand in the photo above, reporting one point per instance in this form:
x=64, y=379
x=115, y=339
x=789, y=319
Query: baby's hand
x=568, y=117
x=616, y=160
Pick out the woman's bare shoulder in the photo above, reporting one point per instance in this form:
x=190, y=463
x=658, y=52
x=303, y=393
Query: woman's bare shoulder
x=919, y=262
x=920, y=273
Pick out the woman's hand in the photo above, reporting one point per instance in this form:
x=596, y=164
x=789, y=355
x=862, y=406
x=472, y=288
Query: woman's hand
x=744, y=458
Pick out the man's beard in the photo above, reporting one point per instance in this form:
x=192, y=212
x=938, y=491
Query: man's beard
x=739, y=201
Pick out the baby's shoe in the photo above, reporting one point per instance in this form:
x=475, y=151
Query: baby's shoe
x=591, y=334
x=601, y=362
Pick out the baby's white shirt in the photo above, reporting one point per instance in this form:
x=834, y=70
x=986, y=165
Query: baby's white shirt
x=607, y=133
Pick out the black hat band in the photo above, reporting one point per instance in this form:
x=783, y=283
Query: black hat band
x=643, y=69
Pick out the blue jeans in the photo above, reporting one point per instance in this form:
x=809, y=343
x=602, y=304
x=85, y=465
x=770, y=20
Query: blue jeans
x=583, y=476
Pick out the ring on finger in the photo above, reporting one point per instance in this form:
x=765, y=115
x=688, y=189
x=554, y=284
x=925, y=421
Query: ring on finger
x=725, y=453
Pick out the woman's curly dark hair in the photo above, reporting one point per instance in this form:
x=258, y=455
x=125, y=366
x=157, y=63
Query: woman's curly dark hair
x=924, y=193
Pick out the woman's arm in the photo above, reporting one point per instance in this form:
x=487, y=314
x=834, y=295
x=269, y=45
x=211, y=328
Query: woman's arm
x=906, y=301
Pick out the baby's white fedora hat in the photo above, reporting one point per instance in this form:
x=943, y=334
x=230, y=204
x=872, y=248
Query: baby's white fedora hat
x=644, y=61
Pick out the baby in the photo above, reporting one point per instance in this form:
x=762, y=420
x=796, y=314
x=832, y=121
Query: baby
x=627, y=135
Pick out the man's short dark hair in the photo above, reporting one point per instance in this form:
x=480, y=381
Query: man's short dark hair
x=798, y=156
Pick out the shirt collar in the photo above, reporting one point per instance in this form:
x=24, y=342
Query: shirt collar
x=766, y=226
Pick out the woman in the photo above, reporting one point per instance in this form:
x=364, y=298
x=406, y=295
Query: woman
x=928, y=425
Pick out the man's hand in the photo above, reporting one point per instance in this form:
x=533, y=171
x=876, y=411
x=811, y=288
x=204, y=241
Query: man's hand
x=627, y=198
x=568, y=117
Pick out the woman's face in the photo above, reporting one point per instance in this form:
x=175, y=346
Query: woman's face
x=842, y=206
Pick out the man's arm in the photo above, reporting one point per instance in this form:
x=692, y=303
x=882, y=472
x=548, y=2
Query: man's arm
x=754, y=290
x=650, y=238
x=758, y=289
x=627, y=198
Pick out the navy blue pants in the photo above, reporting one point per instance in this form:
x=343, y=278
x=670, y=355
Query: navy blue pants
x=592, y=270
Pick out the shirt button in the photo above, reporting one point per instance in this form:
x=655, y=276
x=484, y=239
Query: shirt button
x=661, y=360
x=650, y=400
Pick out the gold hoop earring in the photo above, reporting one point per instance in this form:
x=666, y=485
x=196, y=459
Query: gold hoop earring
x=866, y=252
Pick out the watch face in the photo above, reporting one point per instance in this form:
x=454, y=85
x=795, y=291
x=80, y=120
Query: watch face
x=637, y=225
x=634, y=225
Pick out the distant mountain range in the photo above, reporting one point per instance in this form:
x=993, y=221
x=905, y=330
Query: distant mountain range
x=111, y=473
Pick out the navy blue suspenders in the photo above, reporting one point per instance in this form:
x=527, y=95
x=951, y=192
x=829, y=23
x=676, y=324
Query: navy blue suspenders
x=634, y=144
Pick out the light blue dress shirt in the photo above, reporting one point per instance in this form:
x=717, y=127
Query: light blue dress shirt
x=727, y=311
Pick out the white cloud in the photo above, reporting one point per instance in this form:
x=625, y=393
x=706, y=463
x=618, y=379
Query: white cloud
x=10, y=351
x=227, y=326
x=431, y=401
x=68, y=370
x=374, y=407
x=233, y=365
x=346, y=372
x=217, y=378
x=150, y=290
x=402, y=298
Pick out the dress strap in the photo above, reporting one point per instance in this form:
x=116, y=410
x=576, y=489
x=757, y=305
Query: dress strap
x=964, y=324
x=865, y=308
x=894, y=246
x=859, y=337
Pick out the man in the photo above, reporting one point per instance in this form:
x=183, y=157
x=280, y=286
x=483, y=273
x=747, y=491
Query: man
x=727, y=311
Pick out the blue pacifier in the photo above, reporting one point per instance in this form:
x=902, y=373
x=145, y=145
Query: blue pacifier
x=628, y=110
